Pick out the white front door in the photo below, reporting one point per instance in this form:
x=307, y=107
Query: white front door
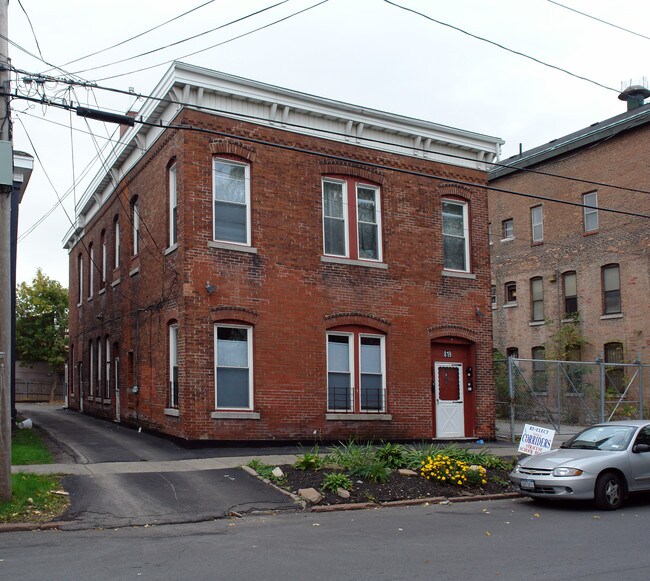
x=450, y=407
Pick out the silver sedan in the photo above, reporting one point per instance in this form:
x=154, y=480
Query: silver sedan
x=605, y=463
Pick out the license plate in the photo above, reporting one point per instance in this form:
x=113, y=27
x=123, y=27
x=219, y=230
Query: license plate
x=527, y=485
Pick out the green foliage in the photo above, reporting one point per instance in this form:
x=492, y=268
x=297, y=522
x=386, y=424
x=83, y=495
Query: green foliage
x=566, y=340
x=42, y=322
x=309, y=460
x=414, y=456
x=28, y=448
x=266, y=471
x=34, y=499
x=350, y=455
x=374, y=471
x=447, y=470
x=391, y=455
x=335, y=480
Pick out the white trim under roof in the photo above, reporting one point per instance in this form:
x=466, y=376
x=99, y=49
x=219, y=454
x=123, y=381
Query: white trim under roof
x=263, y=104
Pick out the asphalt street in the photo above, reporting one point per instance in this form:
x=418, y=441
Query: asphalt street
x=504, y=539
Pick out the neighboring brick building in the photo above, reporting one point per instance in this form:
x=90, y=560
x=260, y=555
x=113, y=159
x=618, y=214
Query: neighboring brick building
x=555, y=265
x=282, y=266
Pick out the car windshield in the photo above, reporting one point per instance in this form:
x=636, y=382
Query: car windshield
x=602, y=438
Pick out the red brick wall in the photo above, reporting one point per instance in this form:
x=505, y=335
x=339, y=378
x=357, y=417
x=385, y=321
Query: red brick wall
x=289, y=295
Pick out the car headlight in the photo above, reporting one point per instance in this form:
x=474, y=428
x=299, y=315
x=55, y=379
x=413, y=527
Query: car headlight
x=564, y=471
x=517, y=468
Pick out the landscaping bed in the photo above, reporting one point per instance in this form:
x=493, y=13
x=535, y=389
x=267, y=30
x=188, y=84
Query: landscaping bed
x=362, y=473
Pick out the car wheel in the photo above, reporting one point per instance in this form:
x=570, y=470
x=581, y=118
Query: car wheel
x=609, y=491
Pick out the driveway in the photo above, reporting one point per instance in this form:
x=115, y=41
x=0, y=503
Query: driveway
x=118, y=476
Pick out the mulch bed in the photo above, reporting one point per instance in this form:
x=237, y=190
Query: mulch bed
x=397, y=487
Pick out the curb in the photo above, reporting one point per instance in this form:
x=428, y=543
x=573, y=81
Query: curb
x=26, y=526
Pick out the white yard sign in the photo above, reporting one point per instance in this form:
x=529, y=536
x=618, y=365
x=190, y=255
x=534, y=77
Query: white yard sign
x=535, y=440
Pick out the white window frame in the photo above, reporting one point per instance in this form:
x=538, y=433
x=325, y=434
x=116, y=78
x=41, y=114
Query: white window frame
x=173, y=205
x=116, y=232
x=593, y=210
x=249, y=341
x=173, y=362
x=100, y=367
x=247, y=197
x=534, y=281
x=346, y=225
x=354, y=354
x=91, y=270
x=104, y=251
x=80, y=279
x=377, y=224
x=91, y=386
x=107, y=380
x=466, y=233
x=136, y=228
x=537, y=223
x=351, y=347
x=382, y=347
x=504, y=233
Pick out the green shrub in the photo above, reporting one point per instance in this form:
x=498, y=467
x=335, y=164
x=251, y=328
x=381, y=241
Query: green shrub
x=447, y=470
x=335, y=480
x=309, y=460
x=391, y=455
x=374, y=471
x=350, y=455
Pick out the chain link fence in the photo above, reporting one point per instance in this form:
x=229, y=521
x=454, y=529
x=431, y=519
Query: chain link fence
x=567, y=396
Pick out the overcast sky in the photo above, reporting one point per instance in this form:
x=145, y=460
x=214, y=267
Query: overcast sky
x=365, y=52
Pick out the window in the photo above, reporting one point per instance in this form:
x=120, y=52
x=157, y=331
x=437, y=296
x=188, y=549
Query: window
x=490, y=241
x=512, y=352
x=135, y=217
x=590, y=201
x=107, y=375
x=508, y=229
x=100, y=367
x=173, y=365
x=91, y=361
x=102, y=279
x=233, y=350
x=231, y=197
x=614, y=376
x=350, y=390
x=539, y=369
x=173, y=206
x=611, y=289
x=493, y=292
x=511, y=292
x=91, y=270
x=351, y=219
x=537, y=223
x=569, y=284
x=537, y=298
x=116, y=242
x=80, y=278
x=455, y=235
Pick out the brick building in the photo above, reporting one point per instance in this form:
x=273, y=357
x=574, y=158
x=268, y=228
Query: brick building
x=555, y=265
x=262, y=264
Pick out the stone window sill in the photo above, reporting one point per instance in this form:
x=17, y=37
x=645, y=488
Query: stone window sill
x=171, y=249
x=359, y=417
x=612, y=316
x=353, y=262
x=454, y=274
x=235, y=415
x=135, y=271
x=509, y=305
x=536, y=323
x=171, y=412
x=236, y=247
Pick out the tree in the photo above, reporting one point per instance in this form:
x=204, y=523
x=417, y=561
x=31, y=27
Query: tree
x=42, y=323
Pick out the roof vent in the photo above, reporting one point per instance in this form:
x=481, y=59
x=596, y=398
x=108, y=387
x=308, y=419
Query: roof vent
x=635, y=94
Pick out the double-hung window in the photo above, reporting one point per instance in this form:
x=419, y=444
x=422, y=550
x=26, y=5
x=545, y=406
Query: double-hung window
x=455, y=235
x=107, y=380
x=356, y=377
x=135, y=218
x=173, y=206
x=100, y=369
x=233, y=367
x=508, y=229
x=80, y=278
x=537, y=223
x=351, y=219
x=611, y=289
x=104, y=266
x=231, y=201
x=173, y=366
x=537, y=298
x=569, y=282
x=91, y=270
x=590, y=202
x=116, y=243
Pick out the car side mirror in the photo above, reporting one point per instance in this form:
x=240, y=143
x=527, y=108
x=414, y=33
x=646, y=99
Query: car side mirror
x=638, y=448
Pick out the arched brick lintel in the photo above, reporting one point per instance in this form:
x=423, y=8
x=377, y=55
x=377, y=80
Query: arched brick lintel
x=356, y=319
x=232, y=147
x=352, y=169
x=439, y=331
x=228, y=313
x=456, y=190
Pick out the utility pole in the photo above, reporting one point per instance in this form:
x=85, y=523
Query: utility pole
x=6, y=291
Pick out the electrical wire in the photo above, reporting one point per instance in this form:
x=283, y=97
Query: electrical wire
x=501, y=46
x=29, y=20
x=599, y=20
x=176, y=43
x=122, y=42
x=215, y=45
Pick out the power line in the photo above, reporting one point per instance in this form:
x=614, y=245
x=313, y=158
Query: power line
x=29, y=20
x=599, y=20
x=146, y=53
x=122, y=42
x=216, y=45
x=482, y=39
x=511, y=164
